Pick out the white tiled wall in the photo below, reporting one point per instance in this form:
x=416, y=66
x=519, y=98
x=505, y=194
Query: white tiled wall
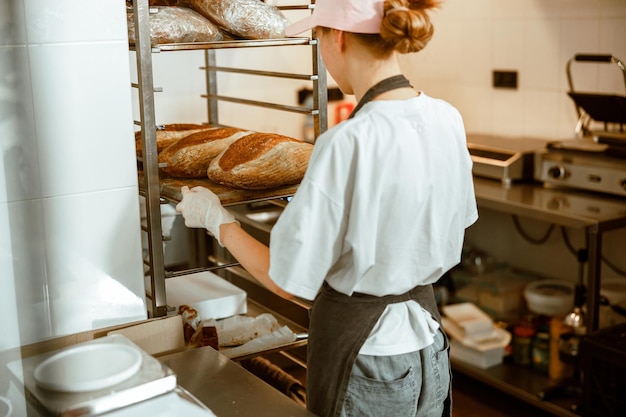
x=70, y=250
x=533, y=37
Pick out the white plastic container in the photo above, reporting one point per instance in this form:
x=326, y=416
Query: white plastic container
x=481, y=359
x=212, y=296
x=550, y=297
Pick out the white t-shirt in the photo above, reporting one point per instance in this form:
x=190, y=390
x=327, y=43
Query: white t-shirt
x=382, y=208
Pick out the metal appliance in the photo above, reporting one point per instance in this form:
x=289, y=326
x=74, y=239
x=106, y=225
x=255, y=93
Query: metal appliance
x=581, y=164
x=506, y=159
x=596, y=159
x=600, y=107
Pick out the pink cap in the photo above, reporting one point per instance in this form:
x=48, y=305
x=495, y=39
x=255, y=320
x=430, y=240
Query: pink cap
x=357, y=16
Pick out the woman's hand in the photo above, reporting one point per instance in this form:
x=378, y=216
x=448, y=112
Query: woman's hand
x=200, y=207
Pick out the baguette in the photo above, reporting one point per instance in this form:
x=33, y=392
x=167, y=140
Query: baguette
x=261, y=161
x=170, y=134
x=190, y=156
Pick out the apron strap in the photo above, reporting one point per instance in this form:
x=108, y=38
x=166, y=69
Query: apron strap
x=388, y=84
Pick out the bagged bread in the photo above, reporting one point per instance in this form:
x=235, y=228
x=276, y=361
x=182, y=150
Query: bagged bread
x=189, y=157
x=173, y=24
x=246, y=19
x=261, y=161
x=170, y=134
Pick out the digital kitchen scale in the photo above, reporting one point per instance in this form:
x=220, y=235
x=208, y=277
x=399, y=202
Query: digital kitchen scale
x=506, y=159
x=65, y=397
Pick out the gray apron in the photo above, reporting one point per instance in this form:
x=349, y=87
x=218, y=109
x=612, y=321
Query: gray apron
x=340, y=324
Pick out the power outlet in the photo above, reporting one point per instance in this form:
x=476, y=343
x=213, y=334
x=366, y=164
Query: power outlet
x=505, y=79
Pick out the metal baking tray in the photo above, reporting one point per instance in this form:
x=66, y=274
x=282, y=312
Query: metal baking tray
x=152, y=379
x=169, y=188
x=506, y=159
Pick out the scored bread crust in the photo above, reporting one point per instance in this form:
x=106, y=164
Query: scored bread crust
x=190, y=156
x=170, y=134
x=261, y=161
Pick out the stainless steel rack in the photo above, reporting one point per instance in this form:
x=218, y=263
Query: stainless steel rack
x=151, y=182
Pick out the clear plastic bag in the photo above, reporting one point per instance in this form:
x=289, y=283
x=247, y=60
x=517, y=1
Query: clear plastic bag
x=173, y=24
x=245, y=19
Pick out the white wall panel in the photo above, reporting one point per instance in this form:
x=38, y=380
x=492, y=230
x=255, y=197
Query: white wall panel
x=83, y=117
x=92, y=243
x=18, y=147
x=9, y=330
x=69, y=211
x=25, y=270
x=63, y=21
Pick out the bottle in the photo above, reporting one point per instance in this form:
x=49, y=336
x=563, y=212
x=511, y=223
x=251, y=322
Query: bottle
x=541, y=349
x=523, y=335
x=557, y=369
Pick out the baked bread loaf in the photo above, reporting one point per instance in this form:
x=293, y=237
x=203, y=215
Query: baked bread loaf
x=176, y=25
x=261, y=161
x=170, y=134
x=190, y=156
x=246, y=19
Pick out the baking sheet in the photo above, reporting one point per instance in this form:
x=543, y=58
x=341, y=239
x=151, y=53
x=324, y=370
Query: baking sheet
x=169, y=188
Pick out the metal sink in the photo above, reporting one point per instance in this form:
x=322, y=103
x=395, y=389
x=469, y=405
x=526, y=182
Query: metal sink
x=266, y=217
x=259, y=216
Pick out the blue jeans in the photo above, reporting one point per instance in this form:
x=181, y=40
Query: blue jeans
x=409, y=385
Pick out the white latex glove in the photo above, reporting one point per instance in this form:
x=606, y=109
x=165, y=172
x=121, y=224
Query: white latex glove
x=200, y=207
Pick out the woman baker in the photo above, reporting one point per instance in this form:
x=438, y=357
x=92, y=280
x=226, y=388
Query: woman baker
x=378, y=218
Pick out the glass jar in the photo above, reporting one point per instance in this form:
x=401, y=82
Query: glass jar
x=541, y=349
x=523, y=335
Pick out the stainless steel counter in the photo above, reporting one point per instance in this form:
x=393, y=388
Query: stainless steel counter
x=595, y=213
x=227, y=388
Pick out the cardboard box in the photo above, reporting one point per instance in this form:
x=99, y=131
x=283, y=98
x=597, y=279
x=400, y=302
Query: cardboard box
x=156, y=337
